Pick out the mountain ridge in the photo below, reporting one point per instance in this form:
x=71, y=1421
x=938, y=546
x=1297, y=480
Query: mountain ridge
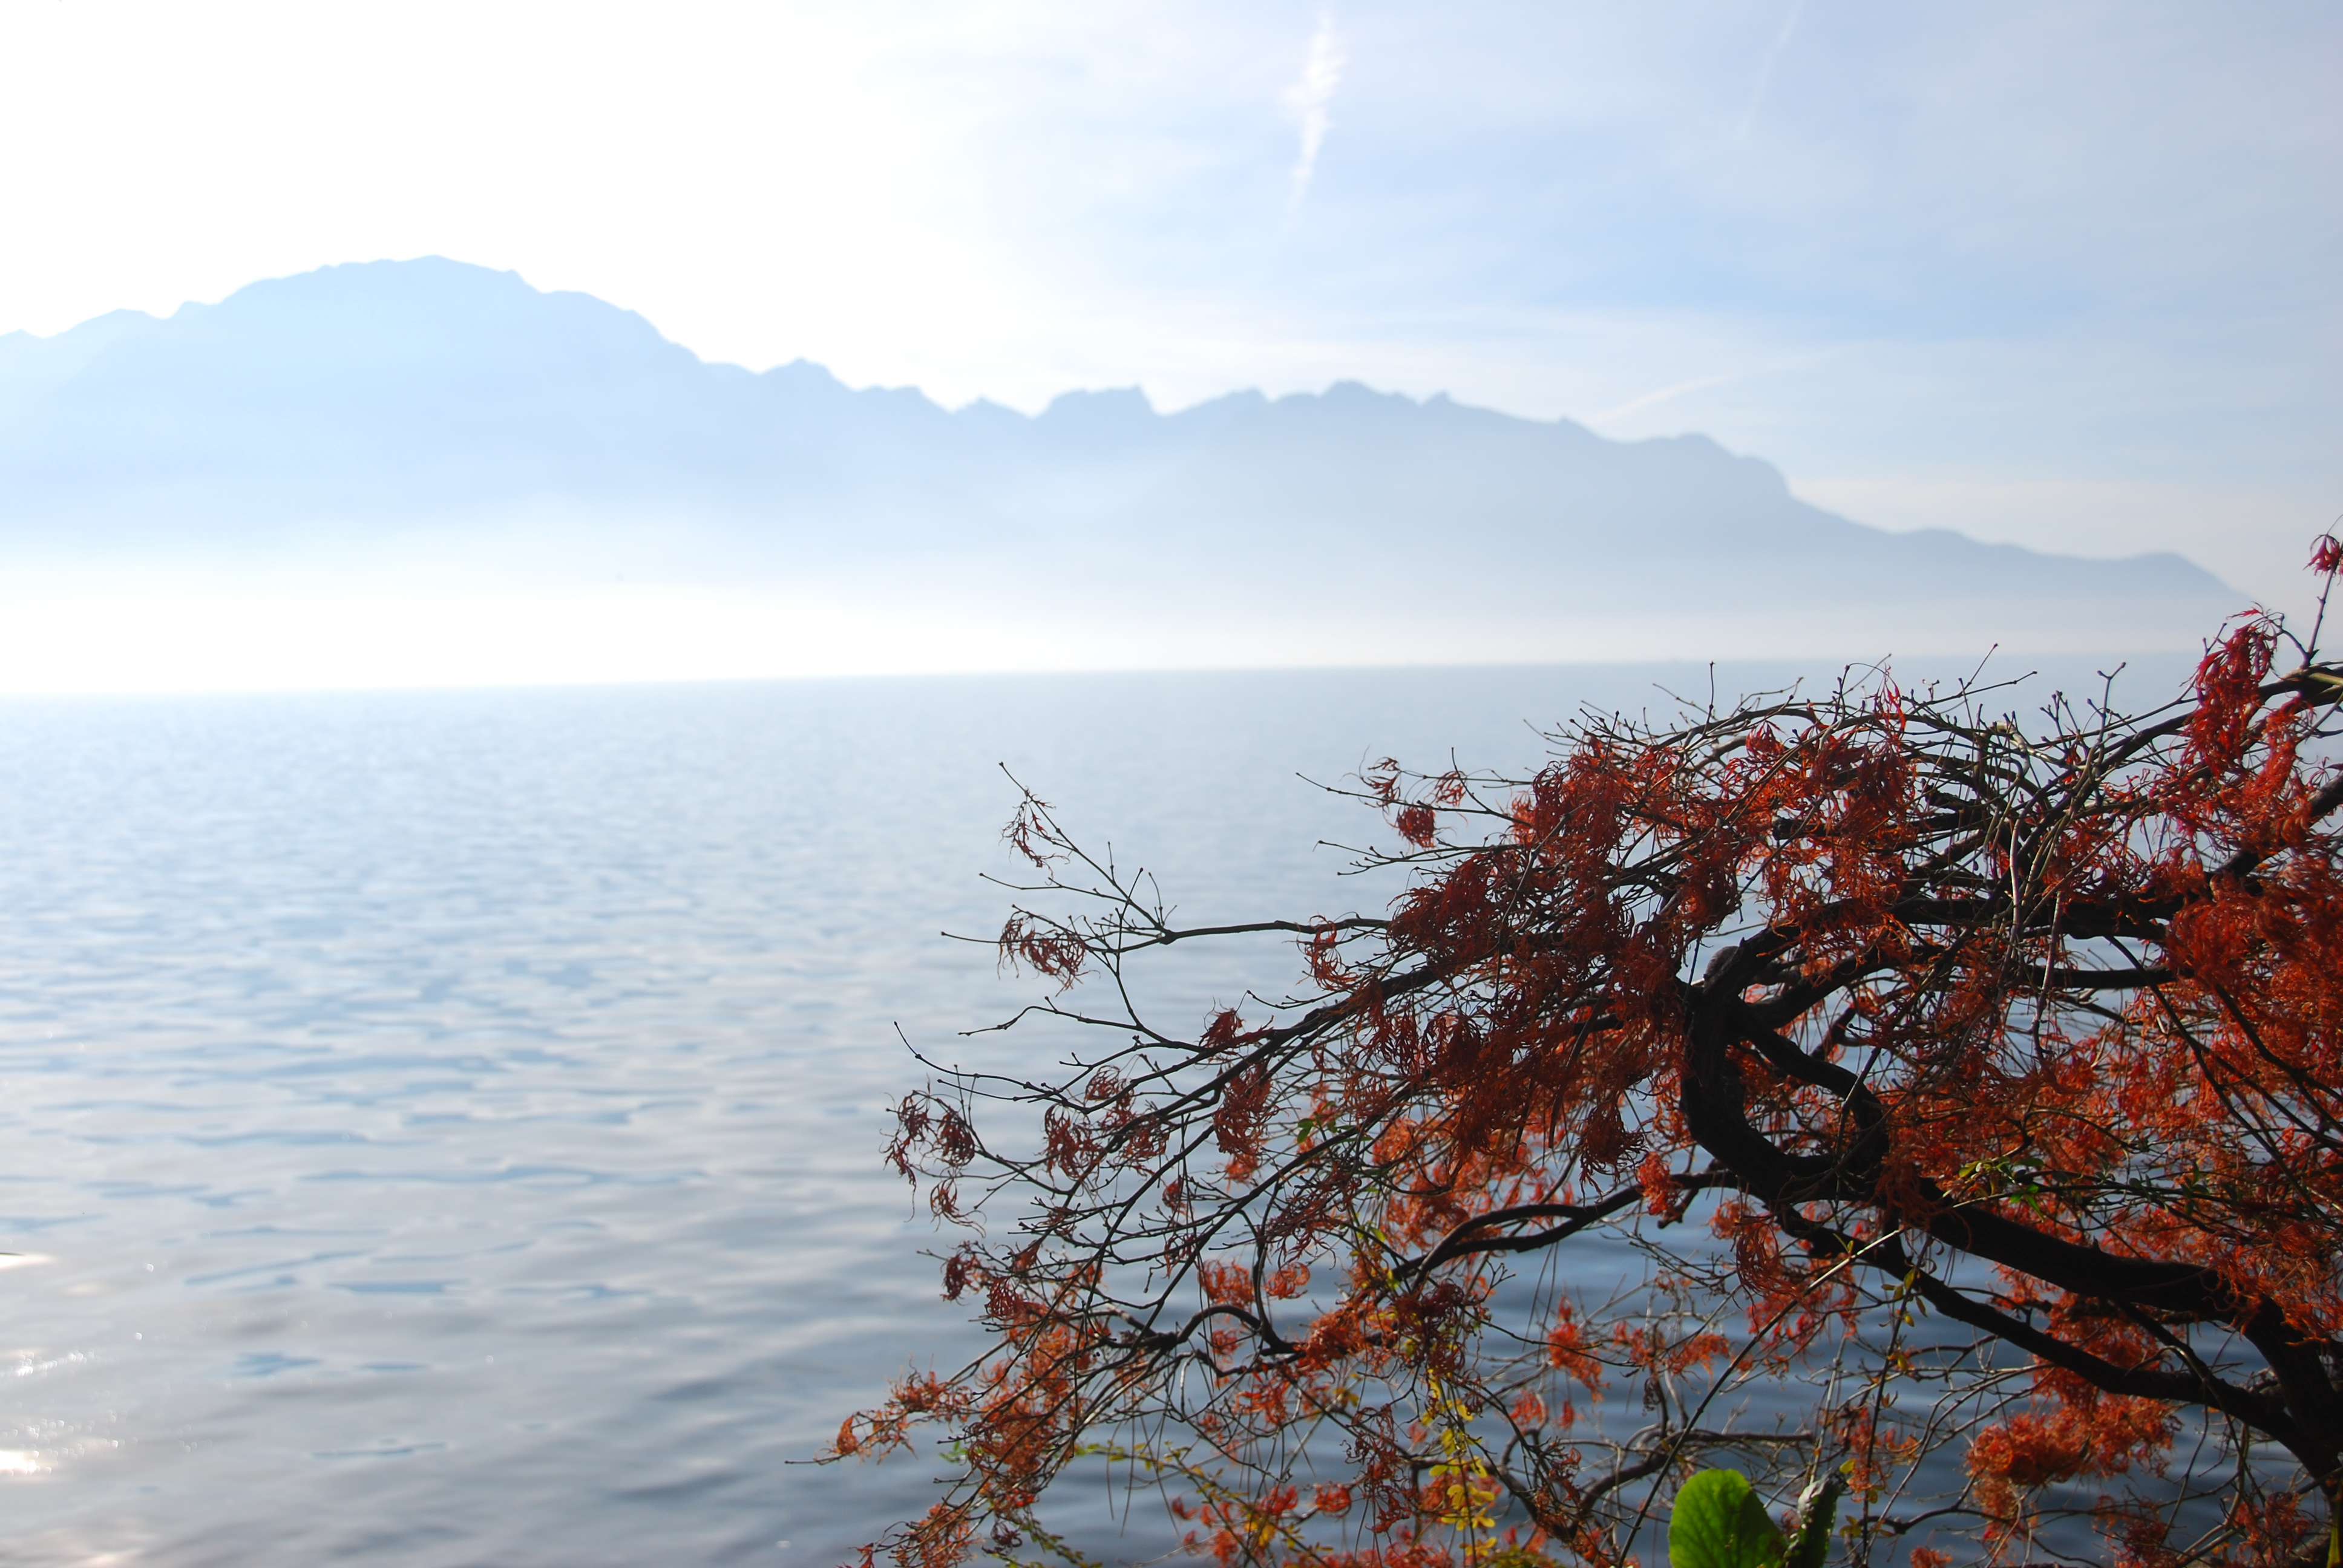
x=395, y=408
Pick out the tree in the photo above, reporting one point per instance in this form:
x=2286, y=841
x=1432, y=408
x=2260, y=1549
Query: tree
x=1957, y=1103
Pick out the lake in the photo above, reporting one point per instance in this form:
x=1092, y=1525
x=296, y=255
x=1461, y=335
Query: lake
x=444, y=1127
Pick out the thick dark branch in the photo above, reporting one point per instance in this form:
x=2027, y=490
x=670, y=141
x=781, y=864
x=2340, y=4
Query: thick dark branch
x=1466, y=1239
x=2324, y=804
x=1154, y=1341
x=1714, y=1106
x=2063, y=979
x=2246, y=860
x=1164, y=936
x=2262, y=1412
x=2142, y=919
x=2185, y=1290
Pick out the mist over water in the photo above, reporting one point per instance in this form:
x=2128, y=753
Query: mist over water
x=444, y=1128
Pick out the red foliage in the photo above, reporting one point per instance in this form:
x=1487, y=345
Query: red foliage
x=2003, y=1061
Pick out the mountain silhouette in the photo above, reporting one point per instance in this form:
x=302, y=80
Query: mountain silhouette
x=446, y=416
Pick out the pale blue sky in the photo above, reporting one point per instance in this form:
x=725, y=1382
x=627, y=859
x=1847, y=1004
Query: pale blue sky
x=2067, y=274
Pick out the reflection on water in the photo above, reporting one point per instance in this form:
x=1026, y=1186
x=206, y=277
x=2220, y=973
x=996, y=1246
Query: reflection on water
x=443, y=1127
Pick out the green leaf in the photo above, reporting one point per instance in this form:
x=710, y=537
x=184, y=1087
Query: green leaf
x=1719, y=1524
x=1817, y=1511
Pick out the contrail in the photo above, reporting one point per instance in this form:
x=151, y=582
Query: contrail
x=1766, y=71
x=1308, y=99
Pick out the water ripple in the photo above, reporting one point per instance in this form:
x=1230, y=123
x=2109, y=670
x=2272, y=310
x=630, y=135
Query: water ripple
x=451, y=1120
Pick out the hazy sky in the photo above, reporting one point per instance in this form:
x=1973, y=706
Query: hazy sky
x=2068, y=275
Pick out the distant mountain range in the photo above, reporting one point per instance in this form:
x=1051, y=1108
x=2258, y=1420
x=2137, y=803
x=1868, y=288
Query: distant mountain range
x=431, y=422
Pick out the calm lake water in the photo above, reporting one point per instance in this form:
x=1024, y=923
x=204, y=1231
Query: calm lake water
x=444, y=1127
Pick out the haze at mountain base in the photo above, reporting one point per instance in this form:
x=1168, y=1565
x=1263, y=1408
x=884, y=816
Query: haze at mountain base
x=424, y=472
